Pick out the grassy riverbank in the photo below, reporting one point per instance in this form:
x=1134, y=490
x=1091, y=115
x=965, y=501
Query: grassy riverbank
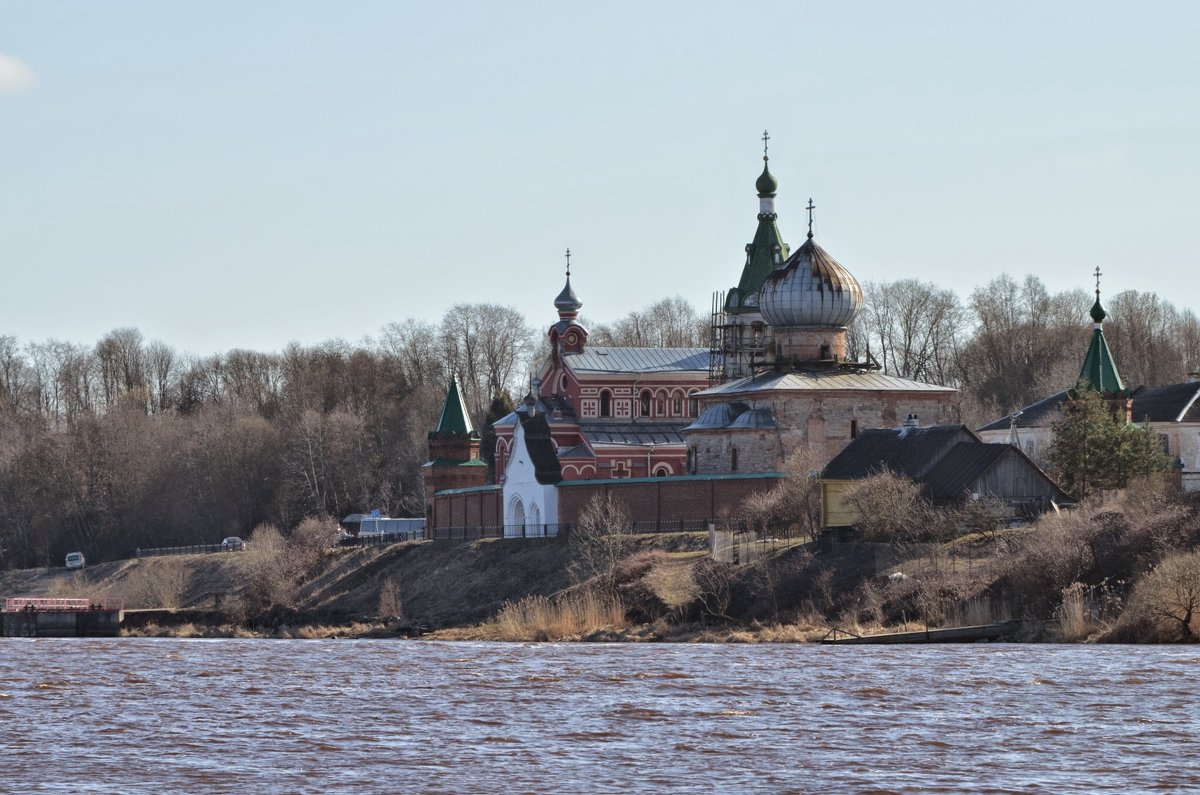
x=1123, y=569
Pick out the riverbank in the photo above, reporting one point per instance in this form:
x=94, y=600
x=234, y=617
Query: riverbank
x=1123, y=569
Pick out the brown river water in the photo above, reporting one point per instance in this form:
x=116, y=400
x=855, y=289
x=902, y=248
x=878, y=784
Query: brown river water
x=248, y=716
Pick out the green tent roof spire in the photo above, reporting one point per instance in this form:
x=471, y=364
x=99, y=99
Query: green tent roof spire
x=767, y=251
x=454, y=417
x=1099, y=371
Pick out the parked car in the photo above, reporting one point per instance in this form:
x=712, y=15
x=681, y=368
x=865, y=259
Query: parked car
x=75, y=560
x=233, y=544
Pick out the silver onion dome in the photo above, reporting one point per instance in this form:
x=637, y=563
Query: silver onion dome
x=810, y=289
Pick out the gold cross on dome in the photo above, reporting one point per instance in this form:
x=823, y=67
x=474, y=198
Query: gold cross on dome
x=766, y=138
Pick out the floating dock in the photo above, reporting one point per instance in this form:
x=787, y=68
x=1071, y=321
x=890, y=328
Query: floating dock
x=980, y=633
x=42, y=617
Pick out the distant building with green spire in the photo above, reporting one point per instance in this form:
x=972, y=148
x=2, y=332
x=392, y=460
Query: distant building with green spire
x=454, y=461
x=1099, y=371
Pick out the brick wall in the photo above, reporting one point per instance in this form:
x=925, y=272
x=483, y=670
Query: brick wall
x=665, y=499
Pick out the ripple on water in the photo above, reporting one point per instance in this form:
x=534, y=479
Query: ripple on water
x=343, y=717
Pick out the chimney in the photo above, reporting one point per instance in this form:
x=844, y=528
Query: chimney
x=911, y=421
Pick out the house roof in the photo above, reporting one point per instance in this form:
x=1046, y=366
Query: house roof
x=600, y=359
x=1035, y=415
x=1170, y=403
x=905, y=451
x=833, y=380
x=960, y=467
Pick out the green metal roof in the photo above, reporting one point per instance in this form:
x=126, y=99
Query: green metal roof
x=455, y=462
x=761, y=257
x=454, y=417
x=472, y=489
x=1099, y=370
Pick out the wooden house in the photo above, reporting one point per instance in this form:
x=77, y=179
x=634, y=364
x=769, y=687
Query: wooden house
x=950, y=462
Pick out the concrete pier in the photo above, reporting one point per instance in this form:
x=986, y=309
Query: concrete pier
x=29, y=617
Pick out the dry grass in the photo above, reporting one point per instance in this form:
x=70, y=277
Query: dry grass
x=155, y=584
x=571, y=615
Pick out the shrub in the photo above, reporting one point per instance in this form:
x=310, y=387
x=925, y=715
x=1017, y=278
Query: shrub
x=156, y=583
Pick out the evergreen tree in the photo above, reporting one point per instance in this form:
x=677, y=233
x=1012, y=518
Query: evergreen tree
x=1093, y=448
x=501, y=406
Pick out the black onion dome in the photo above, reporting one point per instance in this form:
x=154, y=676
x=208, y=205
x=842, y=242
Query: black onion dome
x=567, y=300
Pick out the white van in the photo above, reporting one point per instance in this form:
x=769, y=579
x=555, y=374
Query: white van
x=75, y=560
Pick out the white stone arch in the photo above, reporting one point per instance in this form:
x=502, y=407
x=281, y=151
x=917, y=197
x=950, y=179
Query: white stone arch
x=515, y=515
x=587, y=473
x=534, y=525
x=662, y=470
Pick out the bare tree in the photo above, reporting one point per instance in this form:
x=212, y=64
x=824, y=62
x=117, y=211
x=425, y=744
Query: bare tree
x=599, y=541
x=914, y=329
x=488, y=346
x=669, y=323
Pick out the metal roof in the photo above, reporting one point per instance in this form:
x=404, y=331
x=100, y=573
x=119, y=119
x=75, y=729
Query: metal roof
x=632, y=433
x=718, y=416
x=836, y=380
x=755, y=418
x=599, y=359
x=1035, y=415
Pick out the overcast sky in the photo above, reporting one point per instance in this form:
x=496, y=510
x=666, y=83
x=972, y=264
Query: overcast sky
x=234, y=174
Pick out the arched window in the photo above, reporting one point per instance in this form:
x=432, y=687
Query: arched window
x=660, y=405
x=645, y=404
x=661, y=471
x=605, y=403
x=853, y=429
x=693, y=405
x=733, y=459
x=677, y=404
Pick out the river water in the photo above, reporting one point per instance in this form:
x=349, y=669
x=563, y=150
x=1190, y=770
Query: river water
x=245, y=716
